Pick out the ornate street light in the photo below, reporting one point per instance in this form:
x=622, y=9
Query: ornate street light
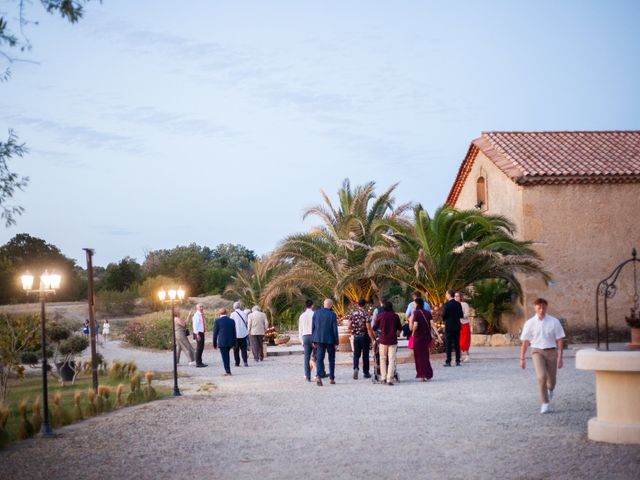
x=170, y=296
x=49, y=283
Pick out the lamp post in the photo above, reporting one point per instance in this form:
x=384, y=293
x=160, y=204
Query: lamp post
x=170, y=296
x=49, y=283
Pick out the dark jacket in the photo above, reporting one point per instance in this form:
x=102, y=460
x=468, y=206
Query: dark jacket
x=451, y=315
x=324, y=327
x=224, y=332
x=389, y=325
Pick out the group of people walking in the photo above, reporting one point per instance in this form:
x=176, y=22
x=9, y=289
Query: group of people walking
x=239, y=331
x=379, y=332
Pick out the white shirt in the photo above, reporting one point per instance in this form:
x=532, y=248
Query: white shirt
x=304, y=323
x=240, y=318
x=542, y=333
x=198, y=322
x=465, y=311
x=105, y=328
x=258, y=323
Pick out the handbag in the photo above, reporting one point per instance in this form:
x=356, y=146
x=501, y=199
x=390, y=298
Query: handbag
x=411, y=341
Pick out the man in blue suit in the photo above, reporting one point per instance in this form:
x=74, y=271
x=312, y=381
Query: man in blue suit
x=224, y=336
x=324, y=333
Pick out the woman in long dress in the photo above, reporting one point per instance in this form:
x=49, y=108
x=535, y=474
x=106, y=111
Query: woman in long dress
x=420, y=326
x=182, y=340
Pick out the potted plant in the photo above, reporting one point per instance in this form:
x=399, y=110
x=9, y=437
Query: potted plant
x=271, y=335
x=66, y=347
x=633, y=321
x=490, y=299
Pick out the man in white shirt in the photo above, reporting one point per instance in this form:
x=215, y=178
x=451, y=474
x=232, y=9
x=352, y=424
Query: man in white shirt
x=242, y=332
x=258, y=324
x=304, y=333
x=198, y=332
x=545, y=335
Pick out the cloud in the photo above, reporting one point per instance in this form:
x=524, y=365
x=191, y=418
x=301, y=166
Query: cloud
x=81, y=135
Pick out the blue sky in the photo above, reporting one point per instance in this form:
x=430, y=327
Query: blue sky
x=151, y=126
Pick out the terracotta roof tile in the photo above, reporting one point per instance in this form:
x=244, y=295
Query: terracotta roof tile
x=557, y=157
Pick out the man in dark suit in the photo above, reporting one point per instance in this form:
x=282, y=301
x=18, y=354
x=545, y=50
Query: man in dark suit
x=451, y=315
x=224, y=336
x=324, y=333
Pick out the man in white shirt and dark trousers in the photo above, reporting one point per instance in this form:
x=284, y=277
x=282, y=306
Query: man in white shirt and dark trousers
x=198, y=333
x=304, y=333
x=545, y=335
x=242, y=332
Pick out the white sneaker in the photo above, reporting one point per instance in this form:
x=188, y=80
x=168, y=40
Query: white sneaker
x=466, y=358
x=191, y=364
x=550, y=394
x=544, y=408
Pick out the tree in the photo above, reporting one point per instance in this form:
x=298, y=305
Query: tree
x=9, y=181
x=13, y=37
x=26, y=253
x=18, y=334
x=329, y=260
x=452, y=250
x=121, y=276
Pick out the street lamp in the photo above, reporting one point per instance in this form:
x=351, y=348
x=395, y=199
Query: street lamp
x=170, y=296
x=49, y=283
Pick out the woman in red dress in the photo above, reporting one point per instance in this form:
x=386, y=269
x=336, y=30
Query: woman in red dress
x=420, y=326
x=465, y=332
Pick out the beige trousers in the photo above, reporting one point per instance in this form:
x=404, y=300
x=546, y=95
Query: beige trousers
x=546, y=365
x=388, y=351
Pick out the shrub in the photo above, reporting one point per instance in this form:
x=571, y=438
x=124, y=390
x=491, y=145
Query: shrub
x=25, y=430
x=4, y=417
x=36, y=415
x=114, y=302
x=151, y=331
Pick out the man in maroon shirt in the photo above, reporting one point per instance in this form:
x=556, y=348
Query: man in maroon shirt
x=388, y=323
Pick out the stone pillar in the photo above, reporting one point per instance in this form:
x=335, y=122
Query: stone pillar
x=617, y=394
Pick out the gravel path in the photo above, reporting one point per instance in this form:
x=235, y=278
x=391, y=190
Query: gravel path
x=477, y=421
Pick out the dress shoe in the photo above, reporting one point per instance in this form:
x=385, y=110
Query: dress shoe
x=324, y=375
x=332, y=381
x=355, y=373
x=458, y=364
x=319, y=381
x=308, y=379
x=447, y=365
x=390, y=384
x=246, y=364
x=367, y=375
x=202, y=365
x=228, y=374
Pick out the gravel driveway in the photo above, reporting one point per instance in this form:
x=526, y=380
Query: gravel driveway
x=477, y=421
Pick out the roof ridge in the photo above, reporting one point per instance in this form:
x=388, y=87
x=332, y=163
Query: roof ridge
x=558, y=131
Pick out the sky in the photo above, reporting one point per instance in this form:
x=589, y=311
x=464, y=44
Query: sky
x=153, y=124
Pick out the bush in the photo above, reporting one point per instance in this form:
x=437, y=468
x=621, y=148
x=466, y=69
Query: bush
x=73, y=345
x=114, y=302
x=151, y=331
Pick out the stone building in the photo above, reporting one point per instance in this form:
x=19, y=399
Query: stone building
x=577, y=196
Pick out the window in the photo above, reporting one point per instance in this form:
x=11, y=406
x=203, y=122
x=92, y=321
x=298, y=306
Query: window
x=481, y=194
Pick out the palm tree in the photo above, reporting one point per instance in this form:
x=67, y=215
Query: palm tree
x=249, y=286
x=329, y=259
x=490, y=299
x=452, y=250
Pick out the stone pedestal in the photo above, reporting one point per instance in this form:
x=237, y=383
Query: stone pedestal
x=617, y=394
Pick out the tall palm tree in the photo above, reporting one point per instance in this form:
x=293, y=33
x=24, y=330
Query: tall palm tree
x=329, y=259
x=452, y=250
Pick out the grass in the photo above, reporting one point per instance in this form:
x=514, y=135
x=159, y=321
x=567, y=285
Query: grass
x=31, y=388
